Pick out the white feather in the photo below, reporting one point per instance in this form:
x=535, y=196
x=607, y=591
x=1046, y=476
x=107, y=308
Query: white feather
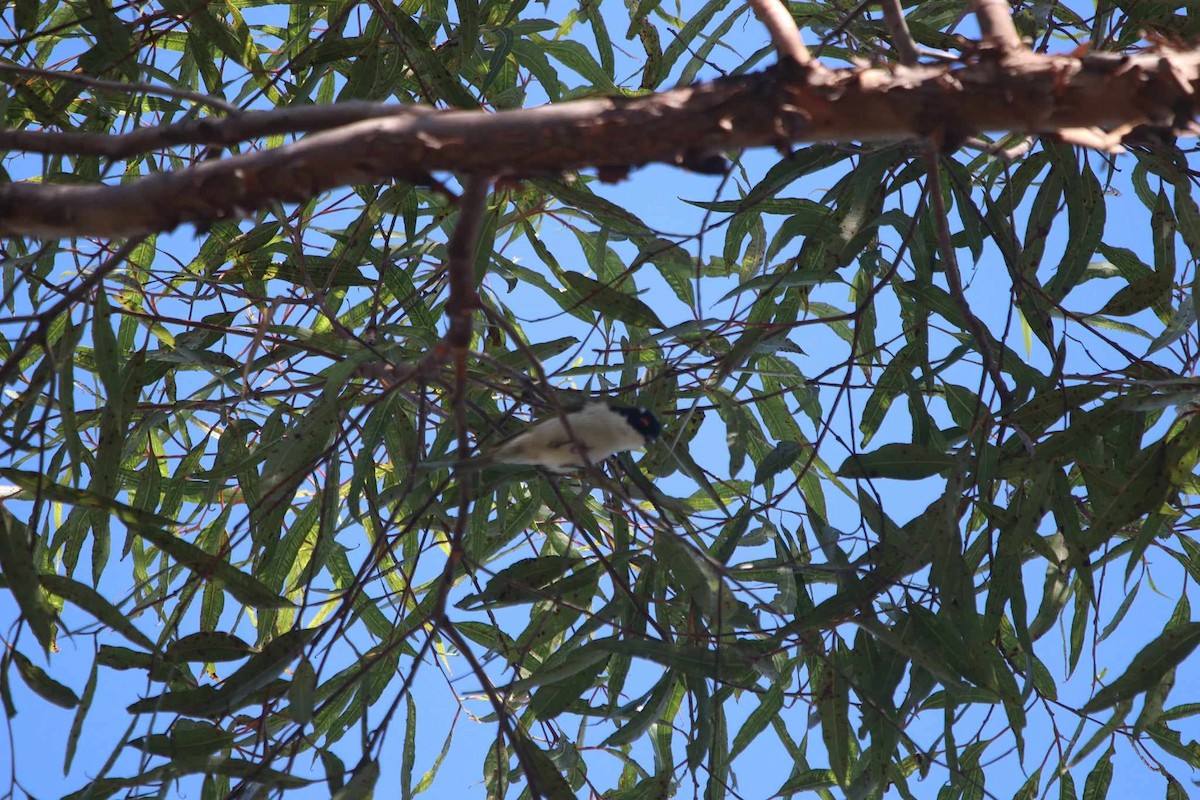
x=597, y=431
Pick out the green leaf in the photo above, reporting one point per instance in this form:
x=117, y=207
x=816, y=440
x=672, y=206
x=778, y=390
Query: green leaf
x=1151, y=663
x=612, y=303
x=427, y=779
x=575, y=56
x=21, y=576
x=809, y=780
x=200, y=701
x=94, y=603
x=539, y=769
x=779, y=459
x=208, y=647
x=727, y=663
x=786, y=280
x=900, y=461
x=242, y=768
x=769, y=705
x=85, y=705
x=289, y=462
x=302, y=692
x=1085, y=219
x=696, y=20
x=205, y=701
x=188, y=739
x=578, y=675
x=36, y=679
x=521, y=582
x=152, y=528
x=361, y=785
x=1095, y=787
x=265, y=666
x=833, y=705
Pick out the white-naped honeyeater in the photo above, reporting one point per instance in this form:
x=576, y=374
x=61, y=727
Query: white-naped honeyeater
x=598, y=430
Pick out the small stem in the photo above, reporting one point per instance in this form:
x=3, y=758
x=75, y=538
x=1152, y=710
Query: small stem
x=784, y=33
x=996, y=24
x=902, y=39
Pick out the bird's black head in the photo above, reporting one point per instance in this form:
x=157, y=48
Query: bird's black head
x=641, y=420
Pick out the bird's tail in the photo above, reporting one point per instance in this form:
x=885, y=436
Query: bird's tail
x=477, y=462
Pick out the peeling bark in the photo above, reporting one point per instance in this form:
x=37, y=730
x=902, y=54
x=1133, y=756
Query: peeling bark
x=786, y=104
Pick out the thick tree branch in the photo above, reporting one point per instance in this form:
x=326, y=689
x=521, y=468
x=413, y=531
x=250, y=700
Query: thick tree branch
x=1035, y=93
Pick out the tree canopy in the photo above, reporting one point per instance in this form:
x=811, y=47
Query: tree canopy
x=911, y=287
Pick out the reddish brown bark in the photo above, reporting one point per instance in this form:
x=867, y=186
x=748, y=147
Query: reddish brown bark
x=781, y=106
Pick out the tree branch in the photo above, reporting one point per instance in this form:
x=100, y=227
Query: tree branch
x=461, y=252
x=784, y=34
x=996, y=24
x=902, y=41
x=781, y=105
x=46, y=318
x=937, y=207
x=120, y=86
x=206, y=131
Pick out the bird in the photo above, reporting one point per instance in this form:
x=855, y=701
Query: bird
x=598, y=430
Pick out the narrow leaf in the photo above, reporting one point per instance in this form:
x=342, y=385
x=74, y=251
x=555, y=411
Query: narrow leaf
x=49, y=689
x=1165, y=653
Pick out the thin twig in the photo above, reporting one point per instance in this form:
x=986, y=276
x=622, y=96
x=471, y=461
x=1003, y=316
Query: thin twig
x=954, y=277
x=503, y=715
x=125, y=87
x=46, y=318
x=206, y=131
x=843, y=25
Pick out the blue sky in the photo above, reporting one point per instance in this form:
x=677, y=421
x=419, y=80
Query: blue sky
x=655, y=194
